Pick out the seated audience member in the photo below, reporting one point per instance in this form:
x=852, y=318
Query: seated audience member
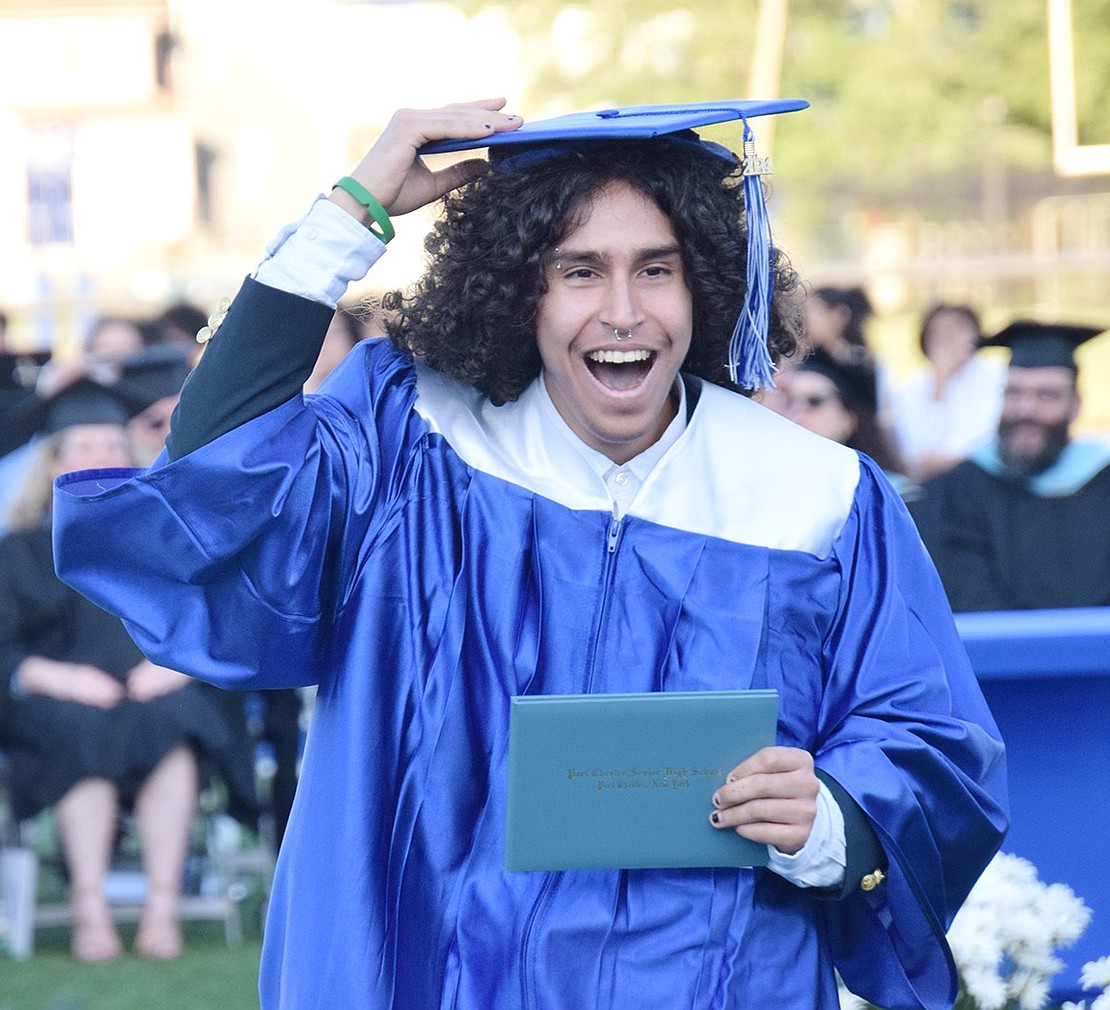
x=834, y=321
x=178, y=324
x=109, y=340
x=1025, y=522
x=113, y=338
x=950, y=407
x=277, y=721
x=154, y=377
x=839, y=401
x=89, y=724
x=18, y=372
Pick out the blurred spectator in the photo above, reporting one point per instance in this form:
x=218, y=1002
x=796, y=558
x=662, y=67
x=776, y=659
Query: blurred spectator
x=89, y=725
x=1025, y=522
x=18, y=372
x=112, y=338
x=951, y=406
x=155, y=377
x=839, y=401
x=834, y=323
x=109, y=340
x=276, y=720
x=114, y=346
x=178, y=324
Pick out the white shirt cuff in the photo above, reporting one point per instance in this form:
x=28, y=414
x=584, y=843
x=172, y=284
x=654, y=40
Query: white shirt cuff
x=319, y=255
x=823, y=858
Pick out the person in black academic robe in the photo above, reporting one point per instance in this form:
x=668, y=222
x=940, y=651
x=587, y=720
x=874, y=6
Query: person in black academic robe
x=88, y=724
x=1025, y=523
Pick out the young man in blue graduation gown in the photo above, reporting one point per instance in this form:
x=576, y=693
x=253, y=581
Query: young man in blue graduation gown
x=521, y=493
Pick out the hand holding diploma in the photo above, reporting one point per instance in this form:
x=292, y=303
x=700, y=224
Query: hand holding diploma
x=770, y=797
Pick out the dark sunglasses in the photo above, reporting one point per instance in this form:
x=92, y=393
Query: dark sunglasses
x=811, y=402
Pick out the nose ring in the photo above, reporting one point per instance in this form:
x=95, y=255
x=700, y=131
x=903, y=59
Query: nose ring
x=620, y=335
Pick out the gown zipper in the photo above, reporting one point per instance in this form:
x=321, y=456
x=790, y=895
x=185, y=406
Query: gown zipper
x=612, y=541
x=616, y=525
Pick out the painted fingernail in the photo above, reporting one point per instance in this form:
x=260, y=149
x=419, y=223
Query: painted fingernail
x=715, y=817
x=716, y=800
x=731, y=778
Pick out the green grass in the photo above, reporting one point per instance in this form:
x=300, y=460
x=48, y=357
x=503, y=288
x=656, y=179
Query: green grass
x=208, y=974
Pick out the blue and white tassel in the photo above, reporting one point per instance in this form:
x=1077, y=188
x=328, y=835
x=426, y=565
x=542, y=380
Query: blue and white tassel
x=749, y=359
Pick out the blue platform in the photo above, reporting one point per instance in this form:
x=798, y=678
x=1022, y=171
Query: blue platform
x=1046, y=676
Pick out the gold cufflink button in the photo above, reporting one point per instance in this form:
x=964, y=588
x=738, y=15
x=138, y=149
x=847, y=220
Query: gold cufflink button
x=872, y=880
x=215, y=321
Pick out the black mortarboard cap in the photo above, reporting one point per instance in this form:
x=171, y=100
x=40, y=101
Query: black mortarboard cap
x=156, y=373
x=749, y=360
x=856, y=383
x=1036, y=344
x=83, y=401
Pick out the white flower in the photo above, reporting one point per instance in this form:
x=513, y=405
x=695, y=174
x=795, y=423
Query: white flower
x=986, y=987
x=1096, y=974
x=1005, y=937
x=1033, y=993
x=1064, y=916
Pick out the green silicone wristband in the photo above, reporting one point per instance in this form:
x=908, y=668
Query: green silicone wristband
x=373, y=208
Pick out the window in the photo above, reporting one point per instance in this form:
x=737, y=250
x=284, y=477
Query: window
x=50, y=185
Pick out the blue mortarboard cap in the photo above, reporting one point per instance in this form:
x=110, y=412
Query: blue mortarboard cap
x=749, y=361
x=634, y=122
x=1036, y=344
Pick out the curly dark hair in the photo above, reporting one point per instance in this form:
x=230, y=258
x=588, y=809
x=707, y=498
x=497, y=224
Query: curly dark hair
x=473, y=314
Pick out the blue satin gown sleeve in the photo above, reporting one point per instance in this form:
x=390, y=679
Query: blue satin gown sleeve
x=905, y=731
x=234, y=552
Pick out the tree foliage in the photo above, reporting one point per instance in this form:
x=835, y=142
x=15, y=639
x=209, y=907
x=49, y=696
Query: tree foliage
x=911, y=98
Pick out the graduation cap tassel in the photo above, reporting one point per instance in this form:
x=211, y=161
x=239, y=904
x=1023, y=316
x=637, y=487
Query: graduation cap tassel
x=749, y=360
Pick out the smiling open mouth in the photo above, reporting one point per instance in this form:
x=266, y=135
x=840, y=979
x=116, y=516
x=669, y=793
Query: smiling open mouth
x=620, y=369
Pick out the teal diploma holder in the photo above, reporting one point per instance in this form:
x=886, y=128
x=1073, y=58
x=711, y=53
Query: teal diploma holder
x=624, y=781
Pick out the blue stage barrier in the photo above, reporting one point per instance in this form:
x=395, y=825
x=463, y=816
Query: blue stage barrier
x=1046, y=677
